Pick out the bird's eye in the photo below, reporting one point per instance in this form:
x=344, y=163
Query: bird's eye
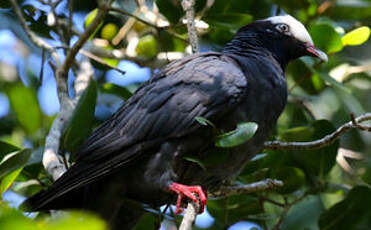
x=282, y=27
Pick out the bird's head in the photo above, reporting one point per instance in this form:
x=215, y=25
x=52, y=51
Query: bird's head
x=284, y=36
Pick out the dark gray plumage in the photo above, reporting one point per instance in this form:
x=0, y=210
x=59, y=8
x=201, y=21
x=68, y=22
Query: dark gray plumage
x=138, y=153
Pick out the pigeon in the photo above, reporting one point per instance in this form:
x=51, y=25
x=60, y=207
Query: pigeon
x=140, y=153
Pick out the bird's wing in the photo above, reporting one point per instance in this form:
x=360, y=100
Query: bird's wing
x=207, y=85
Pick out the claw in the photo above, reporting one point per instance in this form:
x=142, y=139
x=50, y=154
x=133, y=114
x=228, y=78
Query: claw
x=188, y=191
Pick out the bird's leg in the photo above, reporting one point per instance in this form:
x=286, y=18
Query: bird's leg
x=188, y=191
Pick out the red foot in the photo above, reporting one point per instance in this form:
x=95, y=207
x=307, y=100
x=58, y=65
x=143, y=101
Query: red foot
x=184, y=190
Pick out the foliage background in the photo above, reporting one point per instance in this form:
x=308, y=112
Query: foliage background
x=324, y=189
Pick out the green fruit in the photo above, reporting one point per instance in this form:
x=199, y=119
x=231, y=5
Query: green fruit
x=147, y=46
x=109, y=31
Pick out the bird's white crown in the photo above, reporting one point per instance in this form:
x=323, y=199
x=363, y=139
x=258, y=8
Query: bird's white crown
x=297, y=29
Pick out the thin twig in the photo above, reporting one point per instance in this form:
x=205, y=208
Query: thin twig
x=188, y=7
x=287, y=208
x=121, y=11
x=267, y=184
x=123, y=31
x=100, y=60
x=54, y=21
x=102, y=11
x=325, y=141
x=70, y=18
x=41, y=74
x=38, y=41
x=263, y=198
x=124, y=12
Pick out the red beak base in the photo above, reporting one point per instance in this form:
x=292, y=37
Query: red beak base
x=316, y=52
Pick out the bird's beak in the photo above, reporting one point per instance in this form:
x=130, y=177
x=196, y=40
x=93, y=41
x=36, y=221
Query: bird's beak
x=313, y=51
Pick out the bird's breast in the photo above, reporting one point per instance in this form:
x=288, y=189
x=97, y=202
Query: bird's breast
x=263, y=102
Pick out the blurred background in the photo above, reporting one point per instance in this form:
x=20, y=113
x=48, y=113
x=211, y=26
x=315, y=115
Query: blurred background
x=140, y=37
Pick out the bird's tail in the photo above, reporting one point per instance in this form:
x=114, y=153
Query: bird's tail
x=46, y=200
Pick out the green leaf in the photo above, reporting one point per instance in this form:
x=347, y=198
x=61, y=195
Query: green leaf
x=34, y=164
x=147, y=221
x=25, y=104
x=315, y=162
x=203, y=121
x=229, y=15
x=366, y=177
x=300, y=133
x=354, y=12
x=304, y=215
x=229, y=20
x=82, y=119
x=8, y=180
x=293, y=178
x=327, y=78
x=326, y=38
x=89, y=19
x=238, y=136
x=230, y=210
x=304, y=77
x=171, y=9
x=6, y=148
x=76, y=221
x=351, y=213
x=11, y=218
x=195, y=160
x=14, y=161
x=111, y=62
x=114, y=89
x=356, y=37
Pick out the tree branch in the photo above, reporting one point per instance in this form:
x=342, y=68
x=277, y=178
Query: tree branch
x=325, y=141
x=54, y=21
x=51, y=161
x=188, y=7
x=38, y=41
x=193, y=209
x=189, y=217
x=102, y=11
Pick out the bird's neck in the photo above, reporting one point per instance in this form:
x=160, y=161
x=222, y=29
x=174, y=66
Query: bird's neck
x=249, y=44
